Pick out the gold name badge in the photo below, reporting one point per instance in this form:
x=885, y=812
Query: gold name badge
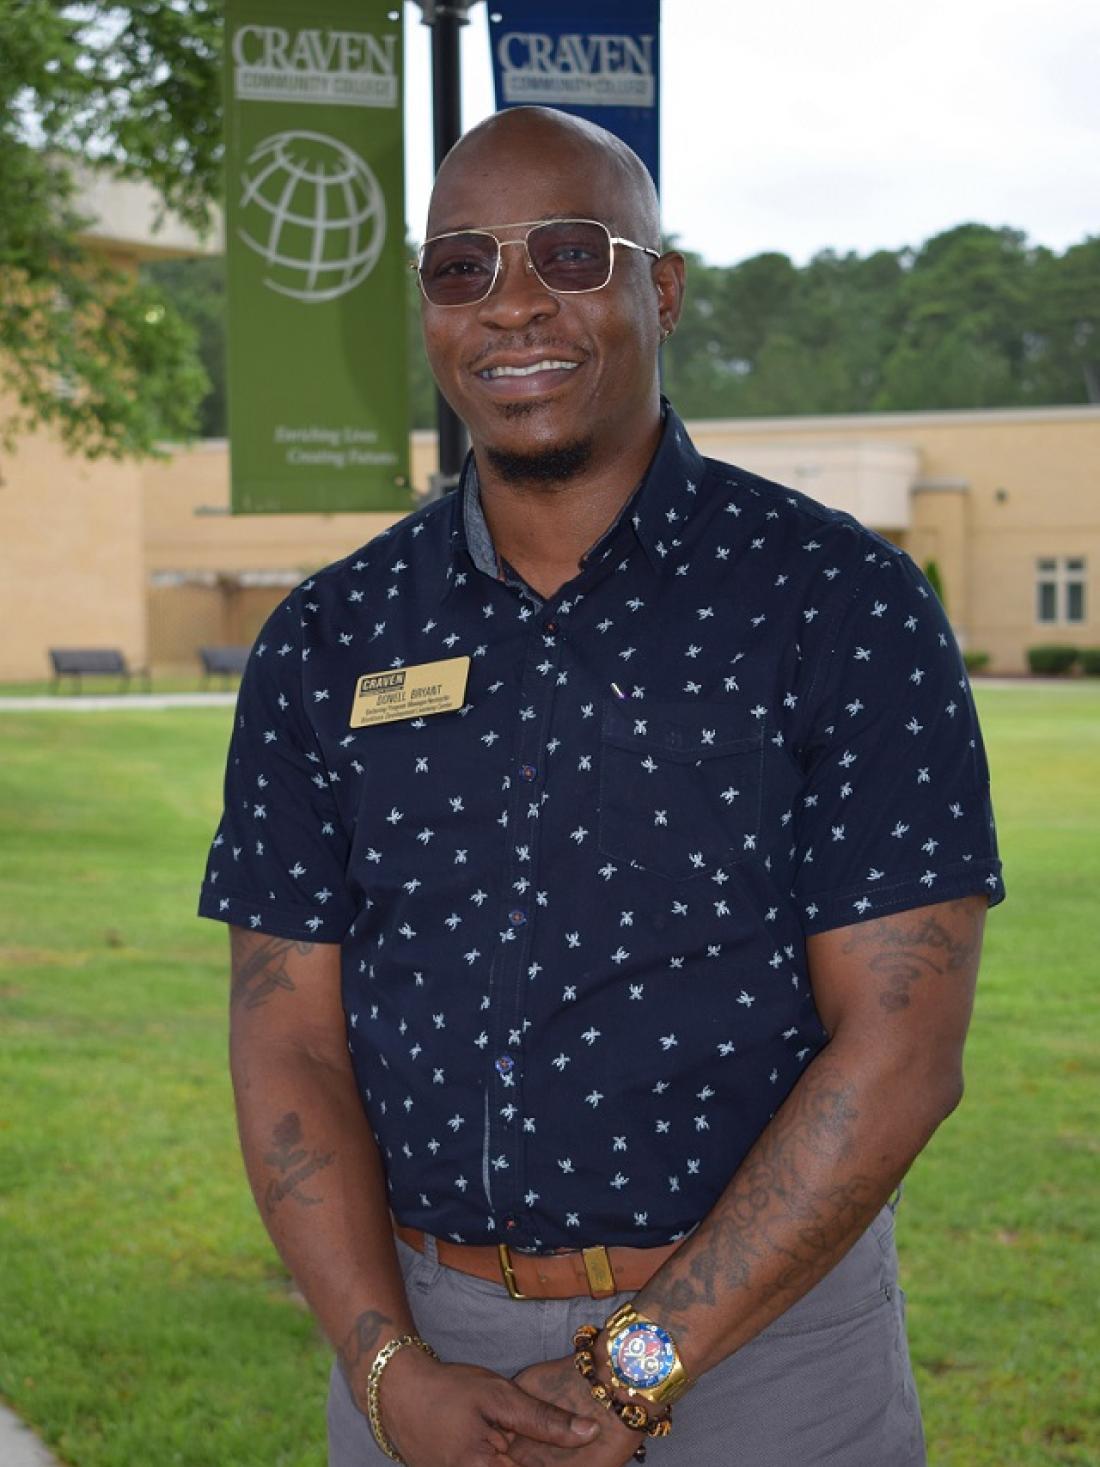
x=409, y=692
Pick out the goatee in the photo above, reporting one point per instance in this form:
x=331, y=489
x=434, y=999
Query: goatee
x=545, y=466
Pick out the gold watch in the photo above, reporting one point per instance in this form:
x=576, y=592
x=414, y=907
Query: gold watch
x=644, y=1360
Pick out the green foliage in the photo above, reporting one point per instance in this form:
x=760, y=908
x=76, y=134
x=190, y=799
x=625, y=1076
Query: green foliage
x=976, y=317
x=196, y=290
x=1090, y=661
x=1051, y=659
x=146, y=1318
x=99, y=356
x=935, y=579
x=975, y=661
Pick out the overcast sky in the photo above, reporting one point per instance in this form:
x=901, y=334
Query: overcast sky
x=854, y=125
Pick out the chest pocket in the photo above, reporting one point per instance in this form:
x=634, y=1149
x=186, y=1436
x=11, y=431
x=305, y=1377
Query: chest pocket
x=680, y=787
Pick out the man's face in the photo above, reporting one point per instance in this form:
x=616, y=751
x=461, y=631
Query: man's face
x=605, y=389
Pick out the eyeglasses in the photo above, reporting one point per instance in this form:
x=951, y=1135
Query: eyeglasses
x=569, y=256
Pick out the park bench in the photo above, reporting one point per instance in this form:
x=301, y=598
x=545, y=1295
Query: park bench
x=223, y=662
x=81, y=662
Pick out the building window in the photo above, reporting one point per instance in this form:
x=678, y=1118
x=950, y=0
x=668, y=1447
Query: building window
x=1060, y=590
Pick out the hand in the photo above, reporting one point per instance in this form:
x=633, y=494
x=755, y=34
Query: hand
x=439, y=1415
x=558, y=1382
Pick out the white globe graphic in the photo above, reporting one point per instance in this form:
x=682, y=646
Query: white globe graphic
x=314, y=212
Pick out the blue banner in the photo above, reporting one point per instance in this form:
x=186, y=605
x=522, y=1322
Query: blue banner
x=599, y=59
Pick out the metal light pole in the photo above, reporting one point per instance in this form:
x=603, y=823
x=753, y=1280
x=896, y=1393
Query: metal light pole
x=446, y=17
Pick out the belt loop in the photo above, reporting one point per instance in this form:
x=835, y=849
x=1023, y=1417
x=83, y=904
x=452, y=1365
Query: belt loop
x=597, y=1267
x=431, y=1249
x=507, y=1272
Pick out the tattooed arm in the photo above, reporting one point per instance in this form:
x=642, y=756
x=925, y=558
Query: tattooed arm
x=318, y=1181
x=311, y=1159
x=895, y=995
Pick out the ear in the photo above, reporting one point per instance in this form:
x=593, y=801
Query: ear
x=668, y=278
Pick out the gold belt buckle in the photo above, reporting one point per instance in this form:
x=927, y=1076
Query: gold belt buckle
x=508, y=1273
x=597, y=1267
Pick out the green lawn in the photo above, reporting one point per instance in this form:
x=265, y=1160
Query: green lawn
x=145, y=1322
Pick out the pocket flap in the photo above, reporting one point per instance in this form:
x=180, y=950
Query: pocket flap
x=685, y=732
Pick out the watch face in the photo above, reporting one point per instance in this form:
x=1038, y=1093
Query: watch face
x=642, y=1355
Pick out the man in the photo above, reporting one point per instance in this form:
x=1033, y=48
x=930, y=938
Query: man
x=606, y=850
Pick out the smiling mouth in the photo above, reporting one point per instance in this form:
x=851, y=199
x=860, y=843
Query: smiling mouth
x=490, y=374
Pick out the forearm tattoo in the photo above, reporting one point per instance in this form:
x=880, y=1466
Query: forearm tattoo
x=294, y=1163
x=901, y=953
x=362, y=1341
x=789, y=1208
x=260, y=971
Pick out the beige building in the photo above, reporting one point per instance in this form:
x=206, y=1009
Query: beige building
x=146, y=558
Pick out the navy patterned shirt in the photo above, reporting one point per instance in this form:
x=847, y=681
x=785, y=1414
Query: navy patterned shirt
x=574, y=910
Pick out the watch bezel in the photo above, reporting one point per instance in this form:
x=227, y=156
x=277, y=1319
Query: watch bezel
x=619, y=1368
x=672, y=1386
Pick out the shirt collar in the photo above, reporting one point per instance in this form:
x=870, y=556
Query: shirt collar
x=656, y=513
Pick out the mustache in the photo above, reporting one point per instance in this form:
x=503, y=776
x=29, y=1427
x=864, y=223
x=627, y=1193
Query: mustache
x=526, y=341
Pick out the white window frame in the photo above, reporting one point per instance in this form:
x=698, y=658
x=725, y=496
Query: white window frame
x=1061, y=572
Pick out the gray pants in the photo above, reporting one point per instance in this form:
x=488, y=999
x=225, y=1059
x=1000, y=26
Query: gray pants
x=828, y=1384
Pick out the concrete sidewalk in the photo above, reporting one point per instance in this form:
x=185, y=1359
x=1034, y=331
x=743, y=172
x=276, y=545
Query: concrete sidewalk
x=19, y=1447
x=113, y=703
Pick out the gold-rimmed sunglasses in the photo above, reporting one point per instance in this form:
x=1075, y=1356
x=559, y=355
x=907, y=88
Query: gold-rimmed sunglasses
x=569, y=256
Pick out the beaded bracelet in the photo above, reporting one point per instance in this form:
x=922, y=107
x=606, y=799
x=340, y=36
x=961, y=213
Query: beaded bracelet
x=631, y=1413
x=374, y=1385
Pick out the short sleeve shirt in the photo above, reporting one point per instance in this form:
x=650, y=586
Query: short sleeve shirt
x=573, y=911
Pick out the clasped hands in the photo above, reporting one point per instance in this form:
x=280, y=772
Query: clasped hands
x=440, y=1415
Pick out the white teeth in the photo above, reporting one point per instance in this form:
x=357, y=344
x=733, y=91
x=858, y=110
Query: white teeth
x=547, y=366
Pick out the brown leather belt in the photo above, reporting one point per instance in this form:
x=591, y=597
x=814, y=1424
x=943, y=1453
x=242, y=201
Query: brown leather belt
x=598, y=1272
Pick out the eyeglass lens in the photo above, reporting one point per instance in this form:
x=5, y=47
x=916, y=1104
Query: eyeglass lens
x=567, y=255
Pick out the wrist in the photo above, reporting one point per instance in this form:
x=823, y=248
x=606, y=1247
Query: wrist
x=406, y=1355
x=643, y=1358
x=636, y=1418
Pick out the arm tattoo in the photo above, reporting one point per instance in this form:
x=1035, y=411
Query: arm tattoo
x=361, y=1342
x=904, y=953
x=259, y=973
x=294, y=1164
x=773, y=1223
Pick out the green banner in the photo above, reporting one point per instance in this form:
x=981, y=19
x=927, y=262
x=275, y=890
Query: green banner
x=318, y=385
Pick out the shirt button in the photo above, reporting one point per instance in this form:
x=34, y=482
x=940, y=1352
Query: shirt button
x=510, y=1223
x=550, y=627
x=528, y=772
x=505, y=1064
x=517, y=917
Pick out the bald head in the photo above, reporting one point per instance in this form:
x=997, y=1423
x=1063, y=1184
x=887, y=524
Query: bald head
x=520, y=140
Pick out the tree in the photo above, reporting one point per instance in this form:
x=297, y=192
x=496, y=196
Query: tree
x=1067, y=324
x=196, y=289
x=98, y=354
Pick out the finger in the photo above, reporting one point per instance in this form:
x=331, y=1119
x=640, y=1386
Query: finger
x=544, y=1422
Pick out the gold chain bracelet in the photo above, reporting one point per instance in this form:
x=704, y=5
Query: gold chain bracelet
x=374, y=1385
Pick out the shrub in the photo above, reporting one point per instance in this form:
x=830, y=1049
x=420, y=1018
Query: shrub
x=1050, y=659
x=935, y=579
x=1090, y=661
x=976, y=661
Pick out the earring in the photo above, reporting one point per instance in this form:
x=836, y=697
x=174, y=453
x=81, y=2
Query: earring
x=665, y=334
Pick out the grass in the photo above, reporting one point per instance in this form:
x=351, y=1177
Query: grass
x=144, y=1320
